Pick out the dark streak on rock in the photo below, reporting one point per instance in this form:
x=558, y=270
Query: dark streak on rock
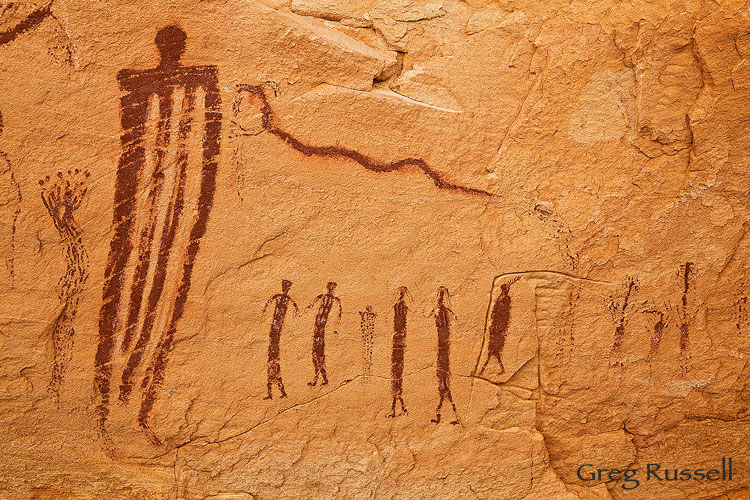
x=339, y=152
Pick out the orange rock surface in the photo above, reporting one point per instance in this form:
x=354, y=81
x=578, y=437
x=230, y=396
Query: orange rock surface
x=563, y=189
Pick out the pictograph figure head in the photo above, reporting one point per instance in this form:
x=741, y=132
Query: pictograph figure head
x=443, y=295
x=505, y=287
x=170, y=41
x=368, y=309
x=286, y=285
x=331, y=286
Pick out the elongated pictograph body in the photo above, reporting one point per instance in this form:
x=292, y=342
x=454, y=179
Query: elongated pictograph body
x=443, y=316
x=62, y=195
x=618, y=310
x=400, y=310
x=658, y=331
x=319, y=333
x=685, y=270
x=150, y=230
x=282, y=301
x=367, y=327
x=740, y=313
x=499, y=326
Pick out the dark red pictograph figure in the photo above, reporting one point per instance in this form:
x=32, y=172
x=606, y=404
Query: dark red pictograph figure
x=618, y=309
x=740, y=313
x=282, y=301
x=367, y=326
x=658, y=331
x=400, y=310
x=499, y=326
x=319, y=334
x=443, y=315
x=685, y=272
x=160, y=216
x=62, y=195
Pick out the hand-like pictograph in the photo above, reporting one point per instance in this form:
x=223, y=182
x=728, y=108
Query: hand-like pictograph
x=62, y=195
x=400, y=310
x=282, y=301
x=443, y=315
x=319, y=333
x=367, y=327
x=498, y=330
x=137, y=224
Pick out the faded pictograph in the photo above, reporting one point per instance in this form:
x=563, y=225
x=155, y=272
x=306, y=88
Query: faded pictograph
x=269, y=124
x=443, y=318
x=10, y=190
x=319, y=332
x=685, y=314
x=618, y=309
x=367, y=328
x=400, y=311
x=62, y=195
x=563, y=236
x=498, y=331
x=660, y=324
x=173, y=103
x=281, y=301
x=565, y=341
x=740, y=314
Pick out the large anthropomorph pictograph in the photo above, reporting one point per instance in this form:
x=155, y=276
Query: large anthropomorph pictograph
x=155, y=239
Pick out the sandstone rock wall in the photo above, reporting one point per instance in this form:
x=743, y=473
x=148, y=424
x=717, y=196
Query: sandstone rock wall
x=562, y=187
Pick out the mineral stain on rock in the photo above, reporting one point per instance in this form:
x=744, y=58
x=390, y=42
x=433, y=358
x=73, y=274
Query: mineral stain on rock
x=13, y=208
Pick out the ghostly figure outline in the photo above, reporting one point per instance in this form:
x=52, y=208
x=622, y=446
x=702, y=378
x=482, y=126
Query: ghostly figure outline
x=140, y=87
x=443, y=314
x=498, y=330
x=319, y=333
x=282, y=301
x=62, y=195
x=400, y=310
